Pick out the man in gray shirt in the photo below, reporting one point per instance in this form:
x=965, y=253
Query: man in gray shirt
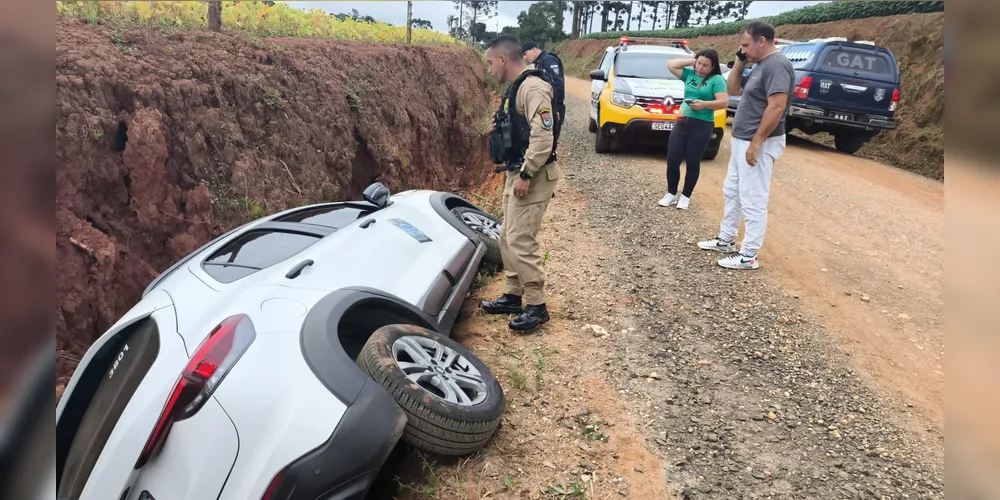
x=758, y=141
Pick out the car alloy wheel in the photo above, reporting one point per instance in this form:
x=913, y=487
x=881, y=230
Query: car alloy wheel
x=439, y=370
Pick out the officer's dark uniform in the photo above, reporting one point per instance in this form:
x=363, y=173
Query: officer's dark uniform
x=522, y=140
x=553, y=68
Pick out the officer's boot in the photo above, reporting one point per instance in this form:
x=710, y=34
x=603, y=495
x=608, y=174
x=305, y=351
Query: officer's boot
x=506, y=304
x=531, y=318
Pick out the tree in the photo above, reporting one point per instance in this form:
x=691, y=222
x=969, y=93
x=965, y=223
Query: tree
x=575, y=30
x=423, y=24
x=743, y=9
x=409, y=22
x=542, y=22
x=215, y=15
x=711, y=10
x=605, y=10
x=478, y=33
x=683, y=19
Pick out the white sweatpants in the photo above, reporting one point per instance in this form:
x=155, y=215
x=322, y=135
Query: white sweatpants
x=746, y=191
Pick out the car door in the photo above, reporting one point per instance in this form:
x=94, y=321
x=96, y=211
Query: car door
x=854, y=79
x=597, y=86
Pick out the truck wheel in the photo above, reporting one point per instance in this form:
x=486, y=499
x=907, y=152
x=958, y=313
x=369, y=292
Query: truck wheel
x=486, y=227
x=593, y=125
x=848, y=143
x=453, y=403
x=603, y=142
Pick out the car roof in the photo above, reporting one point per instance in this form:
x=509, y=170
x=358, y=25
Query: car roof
x=655, y=49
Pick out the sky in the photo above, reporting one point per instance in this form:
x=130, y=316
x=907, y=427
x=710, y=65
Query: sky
x=437, y=12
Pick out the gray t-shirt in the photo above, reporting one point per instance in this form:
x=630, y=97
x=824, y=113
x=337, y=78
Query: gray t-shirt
x=772, y=75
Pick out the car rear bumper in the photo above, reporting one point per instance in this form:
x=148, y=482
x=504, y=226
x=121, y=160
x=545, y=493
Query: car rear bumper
x=346, y=465
x=811, y=115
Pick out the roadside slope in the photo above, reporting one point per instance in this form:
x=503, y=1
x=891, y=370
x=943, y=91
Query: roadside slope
x=916, y=40
x=166, y=138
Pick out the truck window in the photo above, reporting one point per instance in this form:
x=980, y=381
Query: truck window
x=800, y=55
x=856, y=60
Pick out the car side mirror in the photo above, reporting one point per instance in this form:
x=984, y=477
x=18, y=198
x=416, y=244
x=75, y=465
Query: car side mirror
x=377, y=194
x=598, y=74
x=730, y=64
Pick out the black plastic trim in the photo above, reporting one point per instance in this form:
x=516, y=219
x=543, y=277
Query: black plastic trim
x=433, y=300
x=345, y=467
x=440, y=201
x=454, y=269
x=449, y=314
x=320, y=340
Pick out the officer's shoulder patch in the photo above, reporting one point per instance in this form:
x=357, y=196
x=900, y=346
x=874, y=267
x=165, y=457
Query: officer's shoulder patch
x=546, y=114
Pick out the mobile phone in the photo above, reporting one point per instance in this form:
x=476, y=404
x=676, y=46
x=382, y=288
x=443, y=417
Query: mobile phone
x=740, y=53
x=689, y=101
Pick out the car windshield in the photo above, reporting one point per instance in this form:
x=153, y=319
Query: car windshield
x=649, y=65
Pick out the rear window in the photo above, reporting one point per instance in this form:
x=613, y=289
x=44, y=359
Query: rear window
x=854, y=60
x=254, y=251
x=645, y=65
x=335, y=216
x=800, y=55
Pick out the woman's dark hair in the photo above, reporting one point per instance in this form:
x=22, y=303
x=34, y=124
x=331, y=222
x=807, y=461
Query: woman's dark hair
x=714, y=57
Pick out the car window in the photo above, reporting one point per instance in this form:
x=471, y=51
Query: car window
x=856, y=60
x=335, y=216
x=800, y=55
x=645, y=65
x=606, y=62
x=254, y=251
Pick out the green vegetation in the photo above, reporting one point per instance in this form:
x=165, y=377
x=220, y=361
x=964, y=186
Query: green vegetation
x=815, y=14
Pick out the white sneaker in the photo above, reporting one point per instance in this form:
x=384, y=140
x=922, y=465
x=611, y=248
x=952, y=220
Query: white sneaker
x=739, y=261
x=668, y=199
x=717, y=245
x=684, y=202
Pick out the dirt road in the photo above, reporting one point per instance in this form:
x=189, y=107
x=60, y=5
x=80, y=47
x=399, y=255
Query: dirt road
x=662, y=375
x=862, y=246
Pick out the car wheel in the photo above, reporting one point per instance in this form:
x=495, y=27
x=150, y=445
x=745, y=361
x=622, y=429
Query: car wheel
x=711, y=152
x=486, y=227
x=603, y=142
x=453, y=403
x=848, y=143
x=593, y=125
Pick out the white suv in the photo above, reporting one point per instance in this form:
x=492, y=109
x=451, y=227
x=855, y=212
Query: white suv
x=285, y=359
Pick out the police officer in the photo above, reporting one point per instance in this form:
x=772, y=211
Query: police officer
x=522, y=141
x=553, y=68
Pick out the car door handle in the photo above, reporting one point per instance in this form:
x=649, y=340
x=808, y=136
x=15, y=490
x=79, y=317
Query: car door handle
x=365, y=224
x=853, y=88
x=297, y=270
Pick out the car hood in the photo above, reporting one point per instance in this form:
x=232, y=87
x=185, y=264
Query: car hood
x=643, y=87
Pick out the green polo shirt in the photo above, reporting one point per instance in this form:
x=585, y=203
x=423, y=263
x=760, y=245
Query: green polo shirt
x=705, y=92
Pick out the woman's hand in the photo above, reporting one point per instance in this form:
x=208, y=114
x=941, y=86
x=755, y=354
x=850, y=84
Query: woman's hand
x=676, y=66
x=697, y=105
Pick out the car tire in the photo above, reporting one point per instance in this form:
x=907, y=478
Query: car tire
x=486, y=227
x=711, y=152
x=593, y=125
x=848, y=143
x=436, y=421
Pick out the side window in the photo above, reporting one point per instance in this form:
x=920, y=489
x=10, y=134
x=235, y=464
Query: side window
x=335, y=216
x=254, y=251
x=609, y=57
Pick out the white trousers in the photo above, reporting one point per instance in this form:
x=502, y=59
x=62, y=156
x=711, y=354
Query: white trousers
x=746, y=192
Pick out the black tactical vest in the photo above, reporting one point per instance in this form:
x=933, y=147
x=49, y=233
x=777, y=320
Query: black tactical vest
x=511, y=131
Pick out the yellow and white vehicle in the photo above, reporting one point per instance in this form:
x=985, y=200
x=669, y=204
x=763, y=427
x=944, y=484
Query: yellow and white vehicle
x=635, y=98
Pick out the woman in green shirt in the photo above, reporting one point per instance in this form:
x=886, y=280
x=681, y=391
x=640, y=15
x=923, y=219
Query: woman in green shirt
x=704, y=92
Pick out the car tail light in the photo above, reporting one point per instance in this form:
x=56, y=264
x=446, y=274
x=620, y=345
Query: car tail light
x=658, y=109
x=802, y=88
x=895, y=100
x=213, y=359
x=272, y=487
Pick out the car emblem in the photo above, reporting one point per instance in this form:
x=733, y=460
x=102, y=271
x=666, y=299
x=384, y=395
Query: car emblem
x=668, y=101
x=879, y=95
x=824, y=86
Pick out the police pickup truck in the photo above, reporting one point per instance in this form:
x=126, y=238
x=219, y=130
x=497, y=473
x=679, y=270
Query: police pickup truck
x=847, y=89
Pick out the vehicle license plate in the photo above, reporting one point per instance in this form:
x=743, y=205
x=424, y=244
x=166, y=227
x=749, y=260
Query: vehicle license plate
x=663, y=125
x=837, y=115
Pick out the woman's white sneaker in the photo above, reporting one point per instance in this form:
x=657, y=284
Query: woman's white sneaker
x=717, y=245
x=739, y=261
x=668, y=199
x=684, y=202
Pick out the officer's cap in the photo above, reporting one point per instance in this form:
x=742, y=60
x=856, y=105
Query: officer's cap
x=526, y=46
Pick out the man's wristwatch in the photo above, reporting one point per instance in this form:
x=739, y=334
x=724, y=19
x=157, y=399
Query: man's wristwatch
x=525, y=175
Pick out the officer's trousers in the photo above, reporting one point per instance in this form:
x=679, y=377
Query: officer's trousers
x=519, y=246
